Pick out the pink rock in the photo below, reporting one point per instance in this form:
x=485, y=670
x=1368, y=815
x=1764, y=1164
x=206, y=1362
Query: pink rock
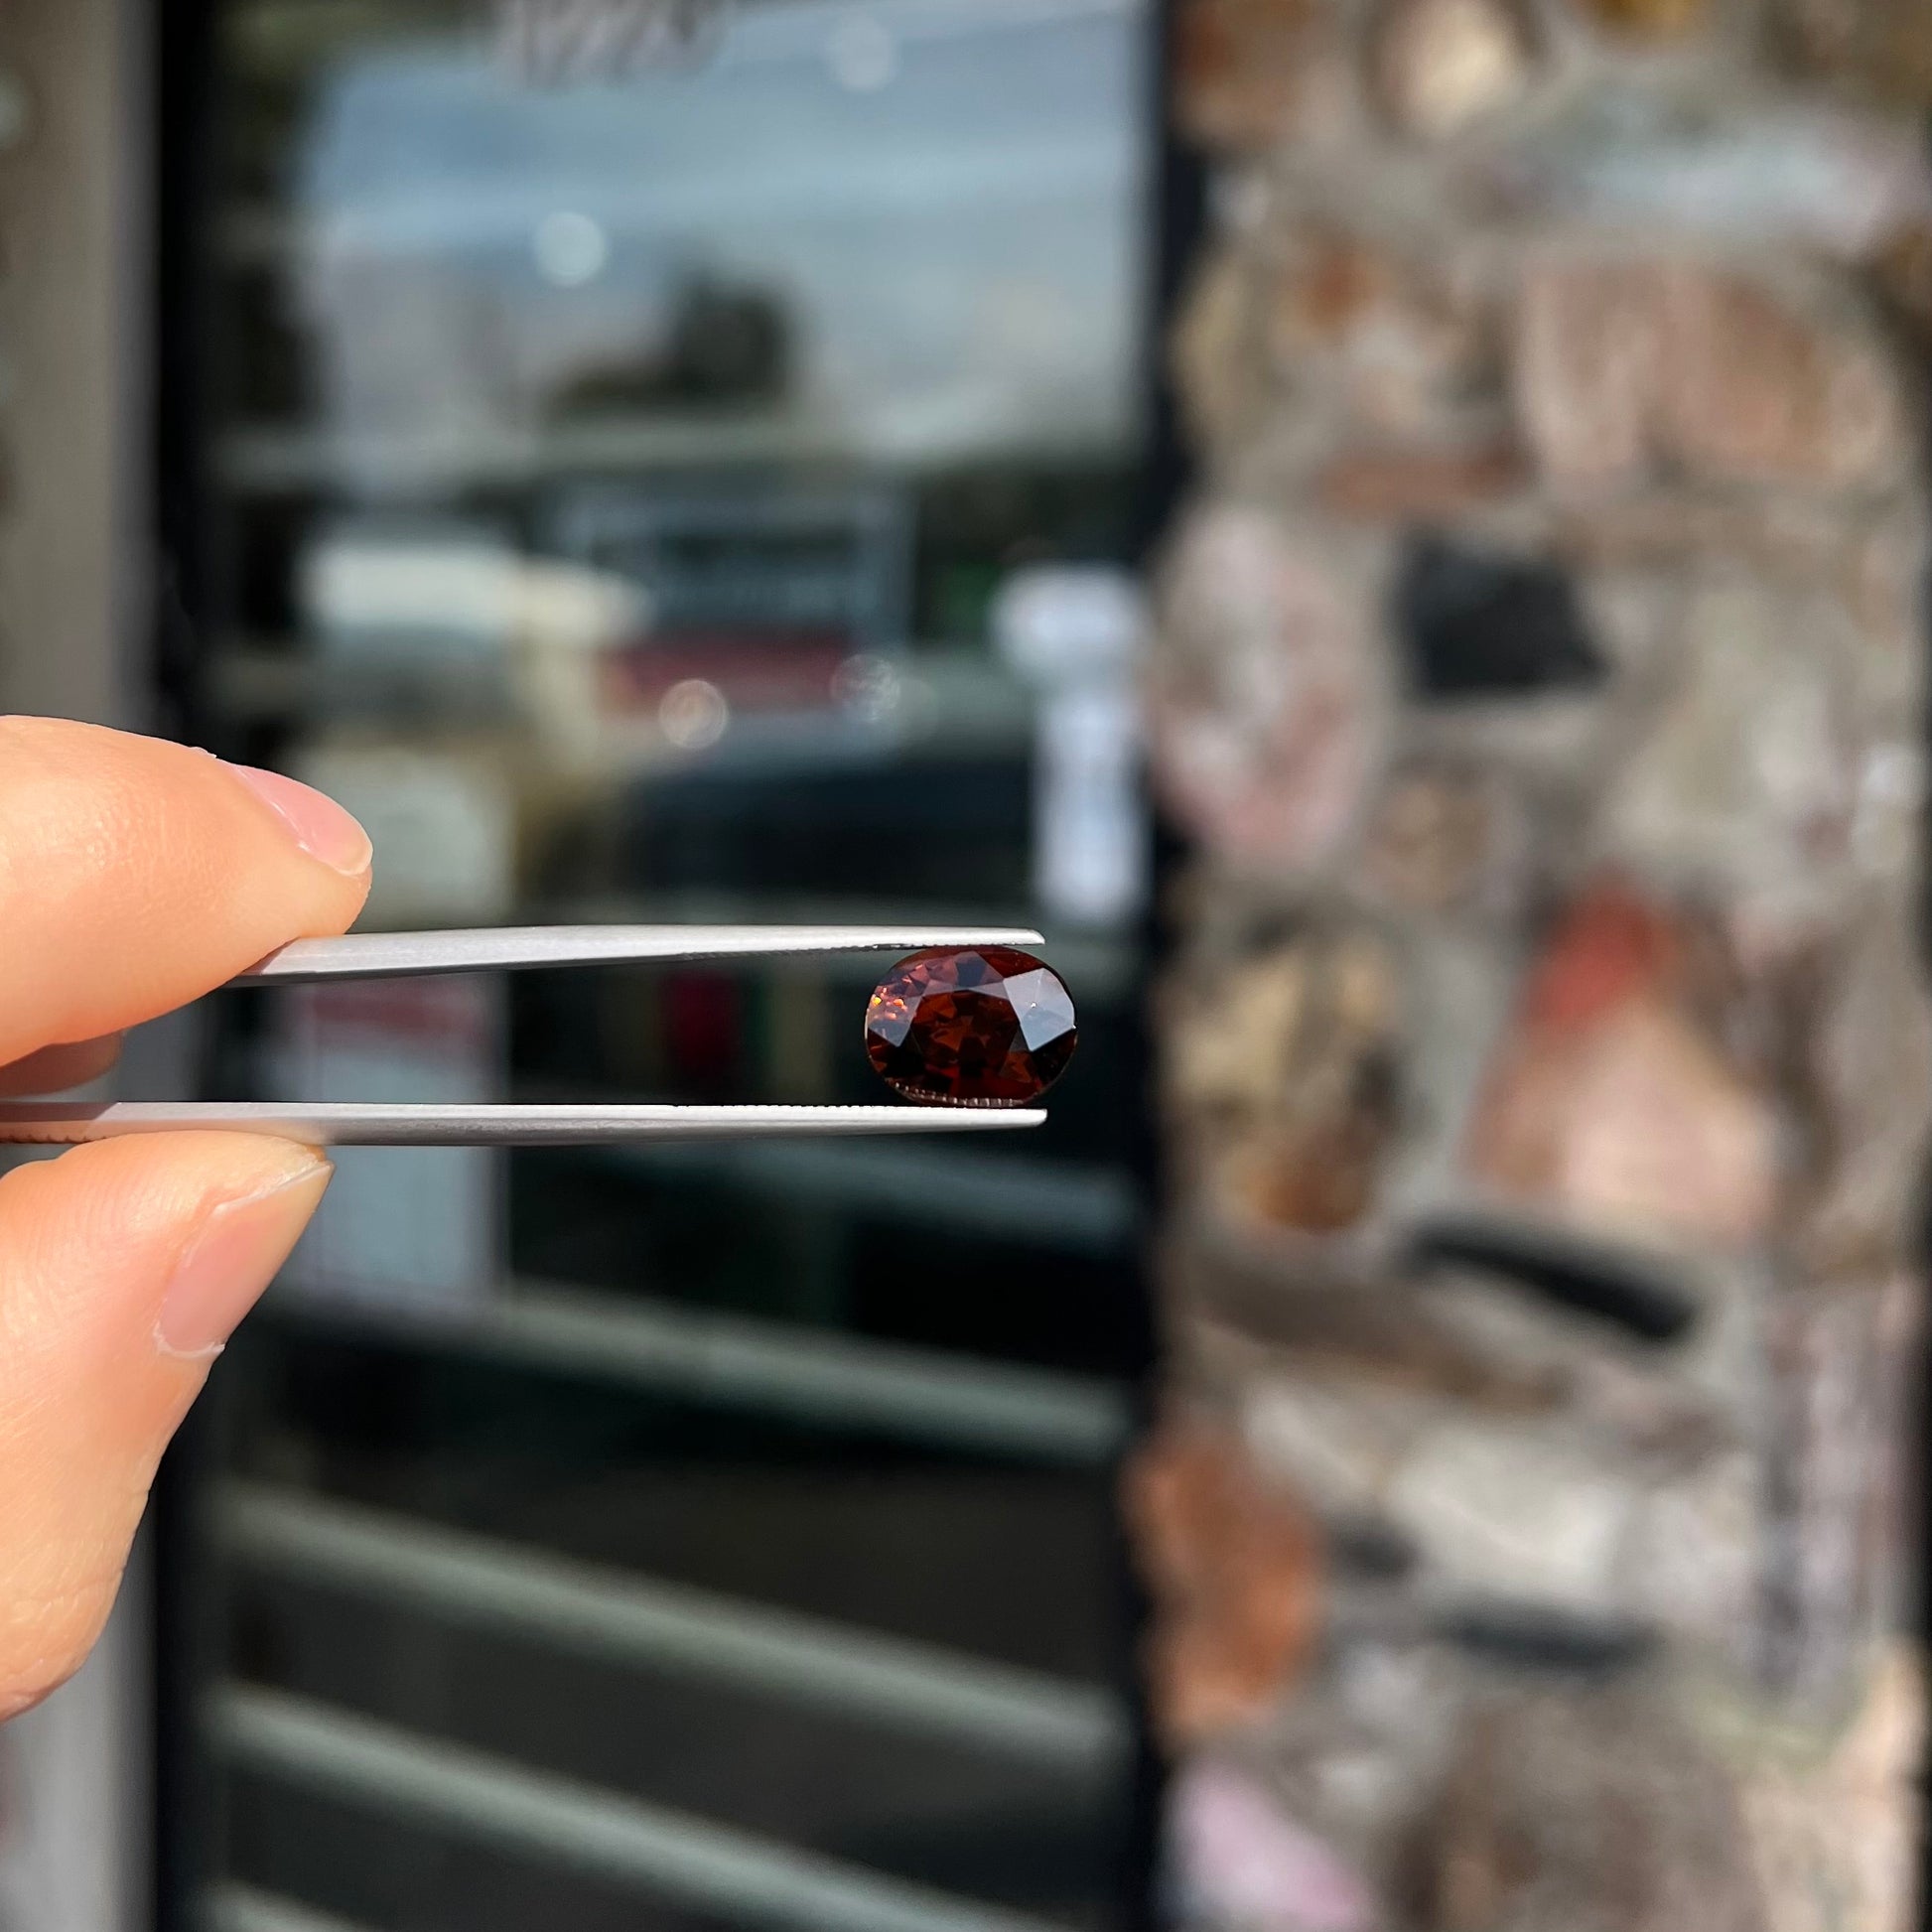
x=1585, y=370
x=1608, y=1106
x=1621, y=366
x=1243, y=1860
x=1267, y=706
x=1756, y=392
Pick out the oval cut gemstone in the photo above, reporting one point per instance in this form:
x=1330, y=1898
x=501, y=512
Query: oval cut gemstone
x=984, y=1027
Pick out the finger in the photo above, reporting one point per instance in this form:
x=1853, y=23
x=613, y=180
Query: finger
x=54, y=1070
x=123, y=1267
x=136, y=874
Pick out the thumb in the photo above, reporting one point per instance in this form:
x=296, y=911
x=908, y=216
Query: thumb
x=123, y=1267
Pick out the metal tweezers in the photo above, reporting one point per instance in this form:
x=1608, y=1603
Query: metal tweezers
x=385, y=955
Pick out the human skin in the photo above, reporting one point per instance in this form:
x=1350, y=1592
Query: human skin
x=135, y=876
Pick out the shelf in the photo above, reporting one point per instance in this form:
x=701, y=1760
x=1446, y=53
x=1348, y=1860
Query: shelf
x=591, y=1832
x=1086, y=1210
x=242, y=1908
x=279, y=460
x=581, y=1608
x=801, y=1375
x=957, y=702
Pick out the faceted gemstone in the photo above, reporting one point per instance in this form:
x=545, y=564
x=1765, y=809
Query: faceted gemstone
x=985, y=1028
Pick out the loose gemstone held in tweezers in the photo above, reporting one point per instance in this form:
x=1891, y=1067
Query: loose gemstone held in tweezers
x=984, y=1027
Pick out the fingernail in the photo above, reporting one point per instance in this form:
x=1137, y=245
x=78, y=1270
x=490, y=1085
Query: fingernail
x=321, y=827
x=232, y=1258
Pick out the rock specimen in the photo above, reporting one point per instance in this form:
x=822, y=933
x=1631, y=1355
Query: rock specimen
x=1250, y=72
x=1267, y=708
x=1622, y=366
x=1442, y=65
x=1283, y=1062
x=1610, y=1106
x=1236, y=1566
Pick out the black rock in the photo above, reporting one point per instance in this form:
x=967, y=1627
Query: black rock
x=1478, y=624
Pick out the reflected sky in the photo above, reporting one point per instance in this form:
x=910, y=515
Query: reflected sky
x=938, y=203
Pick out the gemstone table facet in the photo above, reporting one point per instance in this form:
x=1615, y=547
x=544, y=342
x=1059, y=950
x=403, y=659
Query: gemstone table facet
x=985, y=1028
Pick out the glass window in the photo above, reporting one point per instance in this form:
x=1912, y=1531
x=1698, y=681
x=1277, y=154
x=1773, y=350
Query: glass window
x=677, y=460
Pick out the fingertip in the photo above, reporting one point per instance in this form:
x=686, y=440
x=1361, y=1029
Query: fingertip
x=319, y=826
x=136, y=874
x=122, y=1265
x=237, y=1248
x=88, y=1242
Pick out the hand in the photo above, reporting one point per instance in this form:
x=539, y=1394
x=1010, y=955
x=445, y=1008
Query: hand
x=135, y=876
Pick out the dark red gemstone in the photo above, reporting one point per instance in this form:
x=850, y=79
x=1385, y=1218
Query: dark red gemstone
x=987, y=1027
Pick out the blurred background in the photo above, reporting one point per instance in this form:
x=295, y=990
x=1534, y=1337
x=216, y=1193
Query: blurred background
x=1393, y=530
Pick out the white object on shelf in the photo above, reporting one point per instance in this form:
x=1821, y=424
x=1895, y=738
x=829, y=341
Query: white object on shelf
x=1075, y=633
x=451, y=607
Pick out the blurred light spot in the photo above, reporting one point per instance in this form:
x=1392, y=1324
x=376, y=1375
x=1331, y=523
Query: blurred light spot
x=15, y=111
x=1894, y=776
x=1891, y=798
x=868, y=688
x=570, y=248
x=861, y=54
x=693, y=713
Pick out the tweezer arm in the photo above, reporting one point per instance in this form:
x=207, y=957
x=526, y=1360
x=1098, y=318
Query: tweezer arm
x=384, y=955
x=337, y=1123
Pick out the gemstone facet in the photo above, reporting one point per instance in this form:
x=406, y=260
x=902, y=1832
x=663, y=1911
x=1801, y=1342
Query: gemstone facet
x=985, y=1028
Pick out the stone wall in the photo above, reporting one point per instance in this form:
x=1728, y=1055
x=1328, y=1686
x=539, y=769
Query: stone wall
x=1545, y=1052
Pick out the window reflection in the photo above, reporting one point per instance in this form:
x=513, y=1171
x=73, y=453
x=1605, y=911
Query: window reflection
x=676, y=459
x=897, y=235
